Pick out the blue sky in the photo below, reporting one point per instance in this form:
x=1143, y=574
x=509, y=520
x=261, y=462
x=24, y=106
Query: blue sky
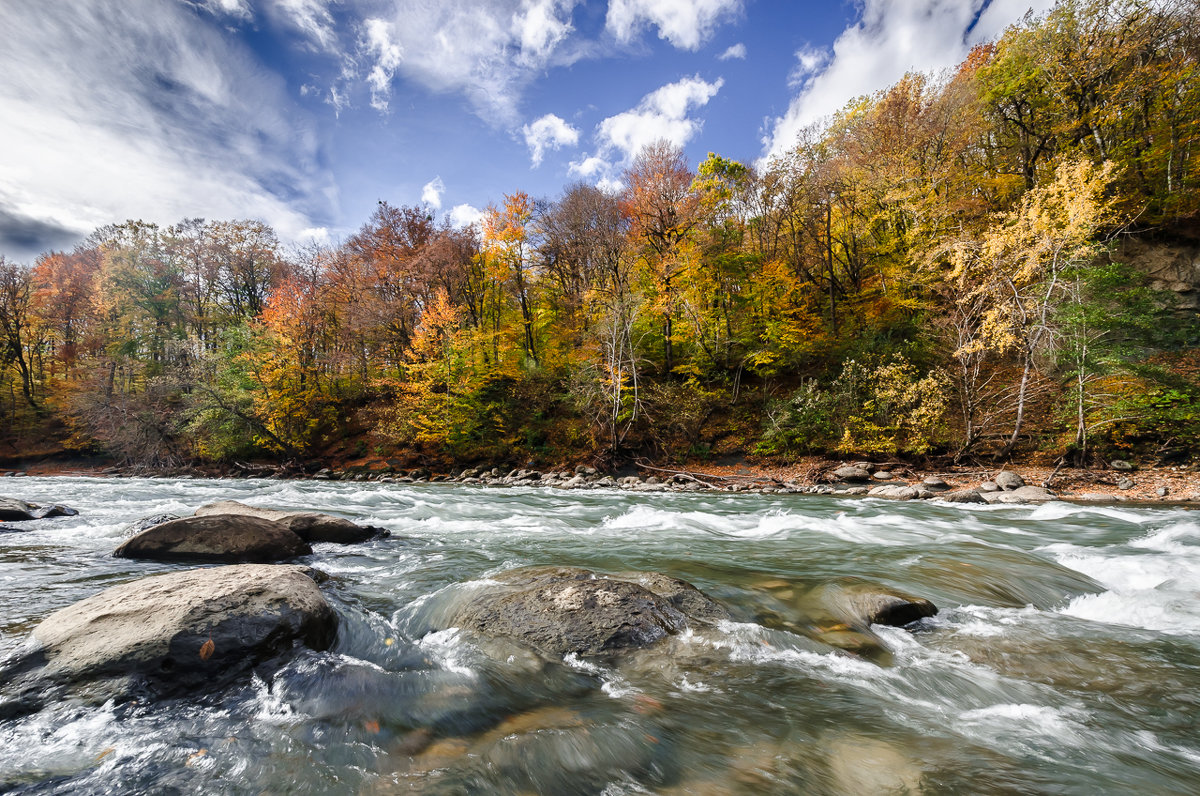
x=305, y=113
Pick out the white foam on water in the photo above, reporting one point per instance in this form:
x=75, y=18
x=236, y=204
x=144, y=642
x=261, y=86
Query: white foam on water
x=45, y=742
x=272, y=708
x=1059, y=510
x=686, y=686
x=643, y=517
x=612, y=684
x=1164, y=609
x=450, y=650
x=1037, y=730
x=1153, y=580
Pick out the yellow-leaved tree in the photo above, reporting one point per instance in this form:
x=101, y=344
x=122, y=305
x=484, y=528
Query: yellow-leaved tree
x=1013, y=271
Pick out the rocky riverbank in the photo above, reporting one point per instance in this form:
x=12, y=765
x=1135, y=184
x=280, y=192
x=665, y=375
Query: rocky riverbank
x=1119, y=482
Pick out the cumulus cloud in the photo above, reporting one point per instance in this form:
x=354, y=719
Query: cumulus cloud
x=735, y=52
x=547, y=133
x=588, y=167
x=686, y=24
x=156, y=115
x=662, y=114
x=889, y=39
x=431, y=192
x=465, y=215
x=488, y=50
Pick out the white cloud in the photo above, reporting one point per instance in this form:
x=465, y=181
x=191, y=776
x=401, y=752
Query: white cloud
x=610, y=185
x=387, y=55
x=661, y=115
x=889, y=39
x=156, y=115
x=310, y=18
x=465, y=215
x=809, y=61
x=588, y=167
x=488, y=50
x=539, y=29
x=431, y=192
x=685, y=23
x=735, y=52
x=546, y=133
x=234, y=8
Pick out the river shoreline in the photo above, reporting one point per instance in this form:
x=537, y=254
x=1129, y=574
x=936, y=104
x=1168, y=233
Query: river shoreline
x=1151, y=486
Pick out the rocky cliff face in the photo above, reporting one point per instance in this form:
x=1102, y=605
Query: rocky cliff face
x=1171, y=265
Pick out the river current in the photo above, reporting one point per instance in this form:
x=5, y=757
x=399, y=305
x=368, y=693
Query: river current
x=1065, y=657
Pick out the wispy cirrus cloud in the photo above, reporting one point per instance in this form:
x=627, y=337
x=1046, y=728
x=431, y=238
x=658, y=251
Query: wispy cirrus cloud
x=146, y=111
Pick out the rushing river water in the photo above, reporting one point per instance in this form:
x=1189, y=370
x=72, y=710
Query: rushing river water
x=1065, y=658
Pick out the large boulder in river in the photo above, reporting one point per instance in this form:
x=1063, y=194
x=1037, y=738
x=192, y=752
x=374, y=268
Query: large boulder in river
x=173, y=633
x=222, y=538
x=311, y=526
x=563, y=610
x=15, y=510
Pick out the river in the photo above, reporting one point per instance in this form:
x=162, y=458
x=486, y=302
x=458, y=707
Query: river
x=1065, y=658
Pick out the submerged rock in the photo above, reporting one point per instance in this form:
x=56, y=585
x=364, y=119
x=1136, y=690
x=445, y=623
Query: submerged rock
x=16, y=510
x=311, y=526
x=859, y=604
x=222, y=538
x=563, y=610
x=173, y=633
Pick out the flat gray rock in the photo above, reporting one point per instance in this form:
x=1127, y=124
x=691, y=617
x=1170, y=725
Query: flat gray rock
x=894, y=492
x=852, y=474
x=1024, y=494
x=963, y=496
x=311, y=526
x=221, y=538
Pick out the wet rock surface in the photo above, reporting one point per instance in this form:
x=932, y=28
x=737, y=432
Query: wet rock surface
x=220, y=538
x=172, y=633
x=562, y=610
x=12, y=509
x=860, y=603
x=310, y=526
x=137, y=526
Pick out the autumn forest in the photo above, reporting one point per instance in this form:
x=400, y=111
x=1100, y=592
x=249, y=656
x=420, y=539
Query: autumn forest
x=938, y=270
